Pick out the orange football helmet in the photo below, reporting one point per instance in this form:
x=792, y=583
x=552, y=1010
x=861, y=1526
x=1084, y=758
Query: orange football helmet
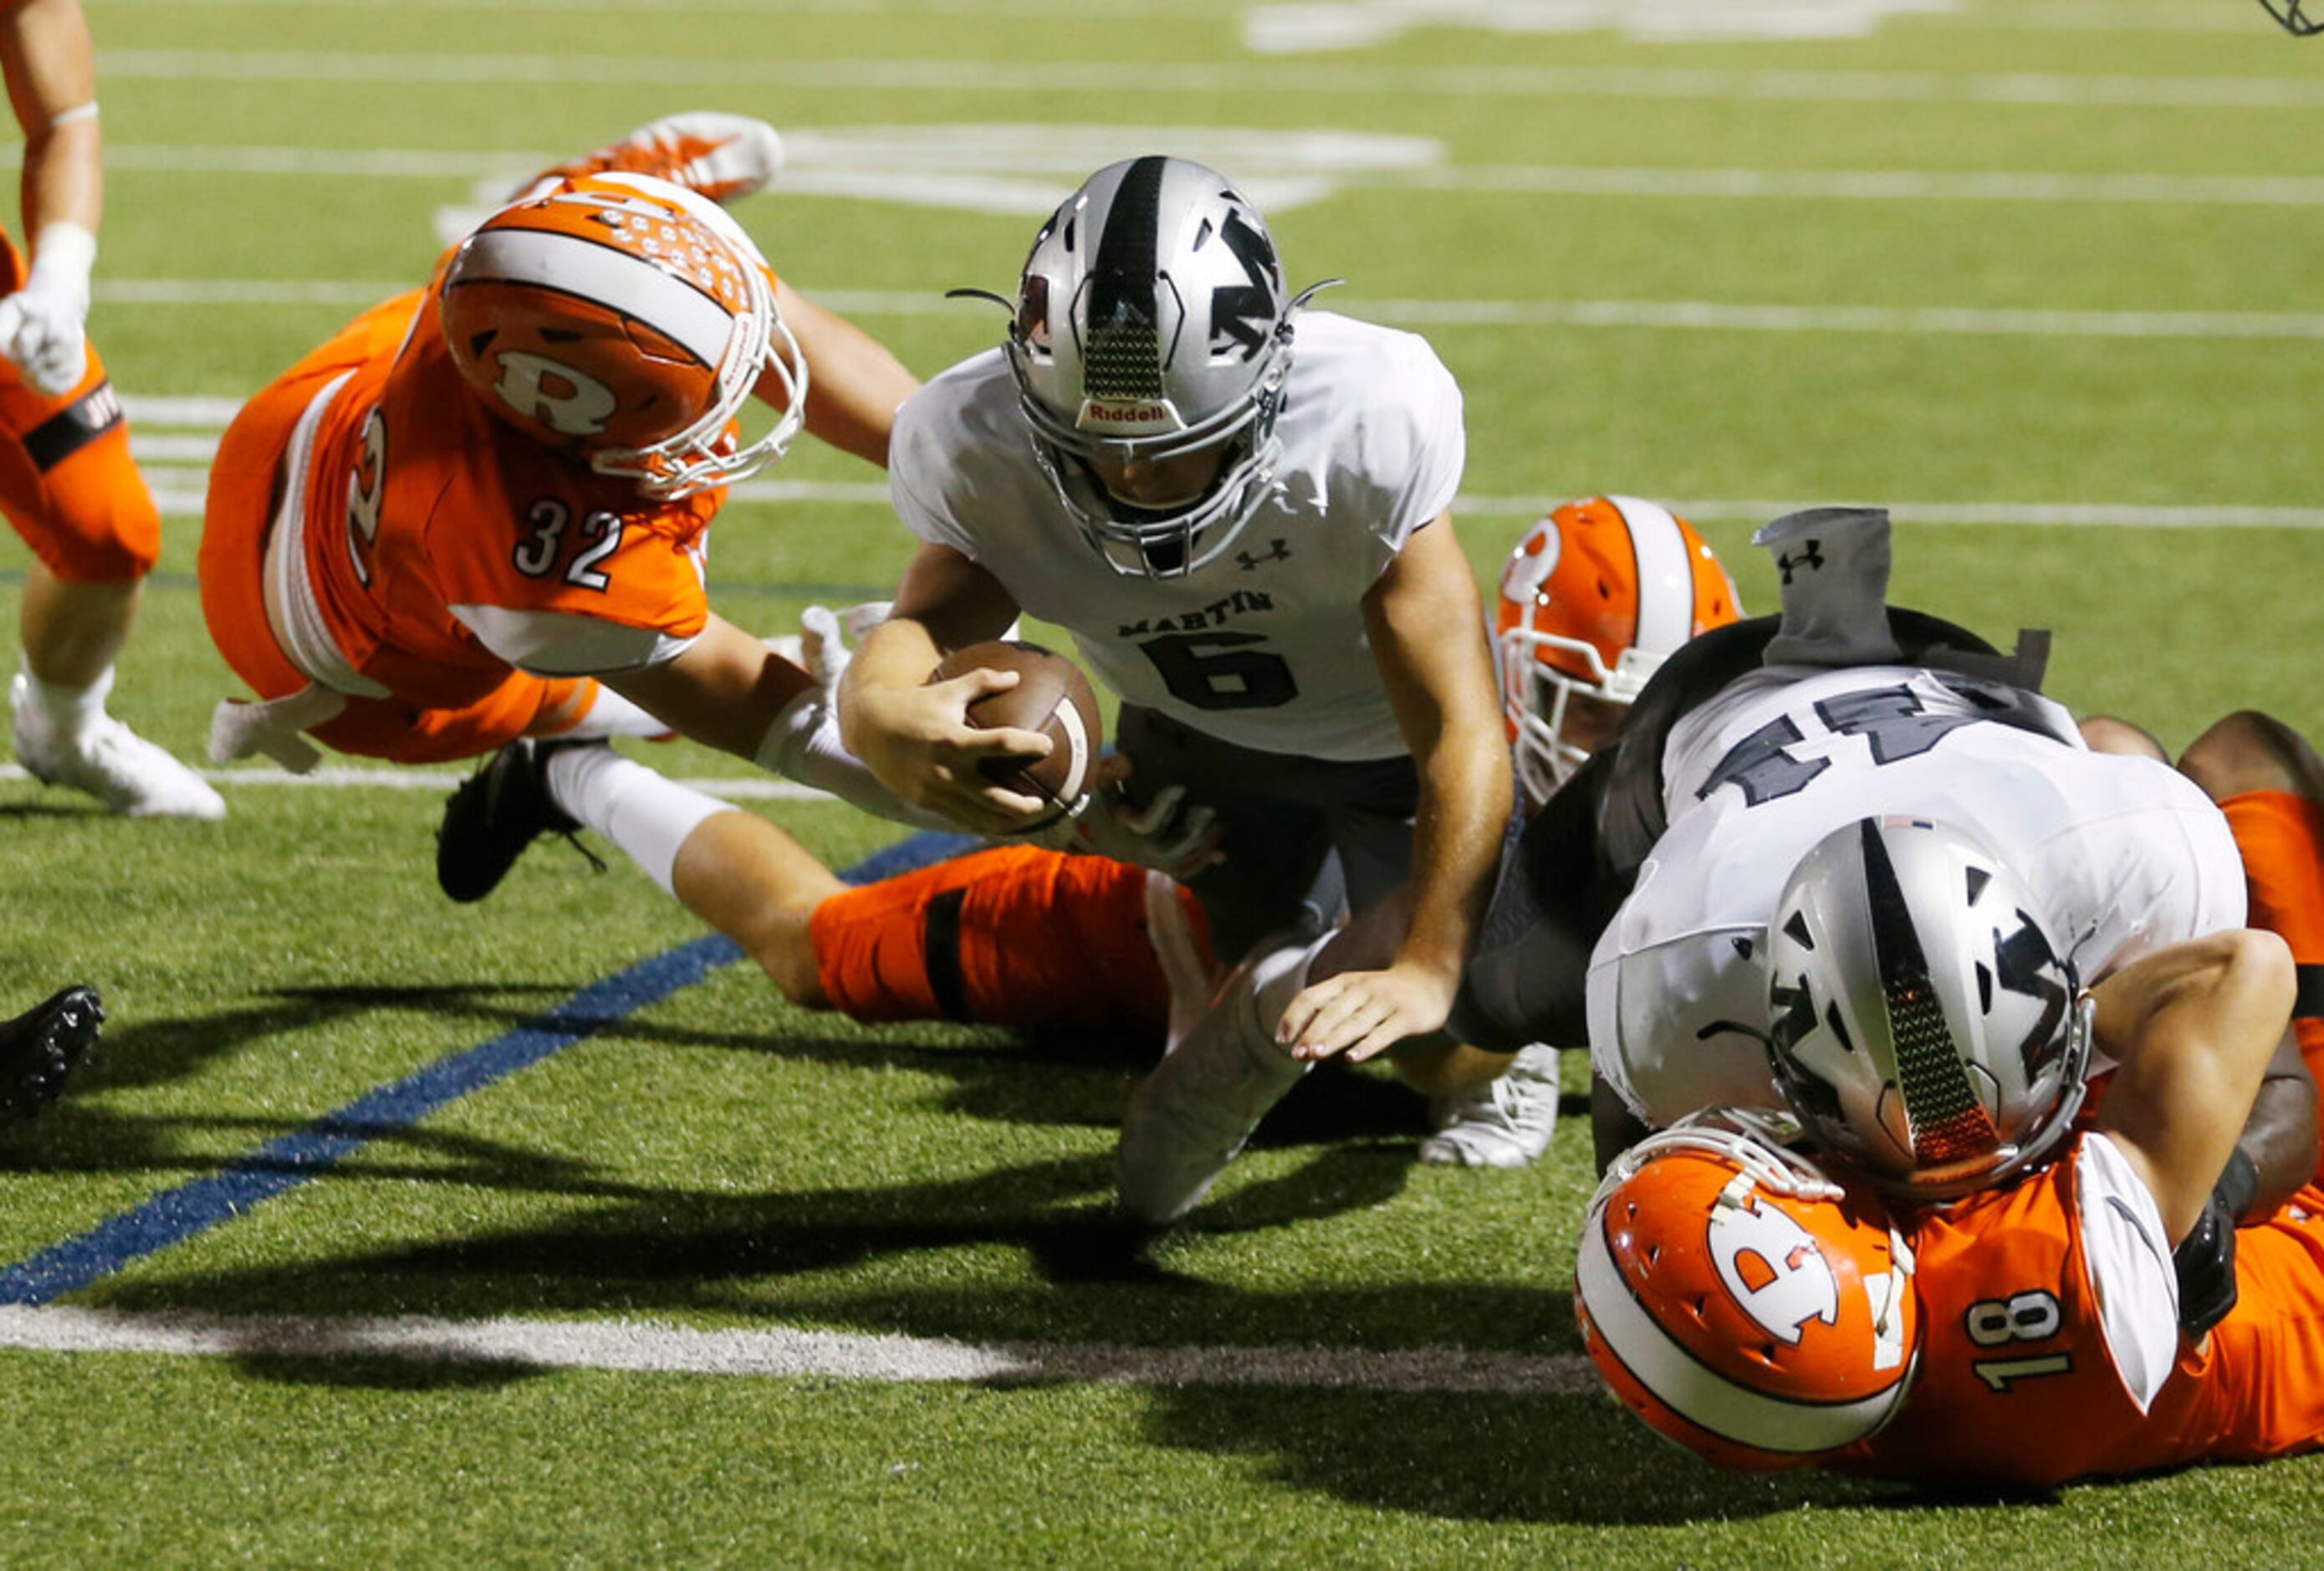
x=1741, y=1302
x=1593, y=600
x=627, y=320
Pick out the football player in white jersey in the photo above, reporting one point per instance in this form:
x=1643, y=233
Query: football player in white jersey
x=1238, y=510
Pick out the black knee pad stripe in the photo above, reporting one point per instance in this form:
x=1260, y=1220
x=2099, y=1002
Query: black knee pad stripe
x=73, y=427
x=940, y=954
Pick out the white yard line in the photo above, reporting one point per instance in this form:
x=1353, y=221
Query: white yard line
x=651, y=1346
x=1596, y=83
x=1675, y=315
x=427, y=780
x=831, y=168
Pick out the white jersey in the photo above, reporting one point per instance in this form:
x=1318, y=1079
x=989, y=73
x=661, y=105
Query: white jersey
x=1265, y=646
x=2129, y=855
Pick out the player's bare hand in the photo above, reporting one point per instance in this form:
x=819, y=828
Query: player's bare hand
x=919, y=743
x=1360, y=1014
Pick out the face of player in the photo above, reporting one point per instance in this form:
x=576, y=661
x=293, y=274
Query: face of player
x=1162, y=484
x=1590, y=723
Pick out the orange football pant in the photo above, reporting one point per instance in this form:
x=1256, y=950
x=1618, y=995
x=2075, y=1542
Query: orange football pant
x=1014, y=936
x=2282, y=838
x=66, y=482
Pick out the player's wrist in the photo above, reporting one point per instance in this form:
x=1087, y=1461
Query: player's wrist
x=64, y=254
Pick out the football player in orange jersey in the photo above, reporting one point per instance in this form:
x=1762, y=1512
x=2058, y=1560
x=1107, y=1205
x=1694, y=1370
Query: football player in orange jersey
x=477, y=513
x=1767, y=1316
x=1593, y=596
x=66, y=481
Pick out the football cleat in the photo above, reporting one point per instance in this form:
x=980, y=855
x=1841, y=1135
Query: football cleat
x=1506, y=1122
x=1187, y=1120
x=720, y=156
x=111, y=763
x=1741, y=1303
x=496, y=813
x=41, y=1046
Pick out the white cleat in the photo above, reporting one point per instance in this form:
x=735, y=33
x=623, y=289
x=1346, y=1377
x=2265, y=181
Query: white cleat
x=1506, y=1122
x=720, y=156
x=112, y=763
x=1188, y=1119
x=1188, y=970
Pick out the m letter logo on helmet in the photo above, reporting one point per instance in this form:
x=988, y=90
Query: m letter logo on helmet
x=1239, y=312
x=1772, y=1267
x=557, y=395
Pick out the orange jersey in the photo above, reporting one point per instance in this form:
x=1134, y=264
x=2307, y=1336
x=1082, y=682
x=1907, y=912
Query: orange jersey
x=2051, y=1349
x=437, y=549
x=1014, y=936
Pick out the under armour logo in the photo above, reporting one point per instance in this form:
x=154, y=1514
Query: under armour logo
x=1278, y=551
x=1813, y=558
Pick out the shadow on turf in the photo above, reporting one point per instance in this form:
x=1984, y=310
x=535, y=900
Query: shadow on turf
x=1578, y=1460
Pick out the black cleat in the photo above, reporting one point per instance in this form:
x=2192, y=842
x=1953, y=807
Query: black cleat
x=496, y=813
x=41, y=1046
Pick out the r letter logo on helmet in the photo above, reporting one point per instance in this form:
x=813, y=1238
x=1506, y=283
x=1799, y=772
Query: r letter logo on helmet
x=531, y=384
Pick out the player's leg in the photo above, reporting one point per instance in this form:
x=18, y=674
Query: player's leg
x=2269, y=782
x=70, y=487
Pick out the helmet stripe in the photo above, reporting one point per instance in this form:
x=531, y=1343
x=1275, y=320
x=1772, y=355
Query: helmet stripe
x=1666, y=576
x=613, y=277
x=1124, y=352
x=1696, y=1392
x=1941, y=1109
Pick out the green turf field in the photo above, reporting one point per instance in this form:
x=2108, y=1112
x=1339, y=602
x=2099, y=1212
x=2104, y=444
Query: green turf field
x=2038, y=273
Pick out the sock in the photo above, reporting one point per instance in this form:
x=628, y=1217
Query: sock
x=611, y=715
x=648, y=816
x=67, y=712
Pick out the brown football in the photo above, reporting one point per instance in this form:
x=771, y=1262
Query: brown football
x=1051, y=696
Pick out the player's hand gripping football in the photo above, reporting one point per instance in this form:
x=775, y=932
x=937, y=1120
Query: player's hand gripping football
x=1360, y=1014
x=923, y=747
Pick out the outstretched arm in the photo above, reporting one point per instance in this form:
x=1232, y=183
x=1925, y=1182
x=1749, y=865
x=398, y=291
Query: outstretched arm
x=1427, y=628
x=915, y=736
x=853, y=383
x=2195, y=1027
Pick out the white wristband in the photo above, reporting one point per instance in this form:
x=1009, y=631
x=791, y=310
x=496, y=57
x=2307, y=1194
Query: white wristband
x=64, y=254
x=77, y=112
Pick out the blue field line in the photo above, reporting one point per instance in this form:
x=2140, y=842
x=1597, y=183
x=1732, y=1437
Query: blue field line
x=174, y=1216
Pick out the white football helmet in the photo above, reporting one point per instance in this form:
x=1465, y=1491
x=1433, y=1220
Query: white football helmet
x=1152, y=323
x=1925, y=1026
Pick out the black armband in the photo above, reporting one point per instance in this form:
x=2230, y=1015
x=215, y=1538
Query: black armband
x=2238, y=1186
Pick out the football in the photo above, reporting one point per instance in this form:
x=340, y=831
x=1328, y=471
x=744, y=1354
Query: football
x=1051, y=696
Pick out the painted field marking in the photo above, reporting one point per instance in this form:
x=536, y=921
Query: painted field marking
x=342, y=776
x=416, y=69
x=1675, y=315
x=980, y=173
x=176, y=1215
x=647, y=1347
